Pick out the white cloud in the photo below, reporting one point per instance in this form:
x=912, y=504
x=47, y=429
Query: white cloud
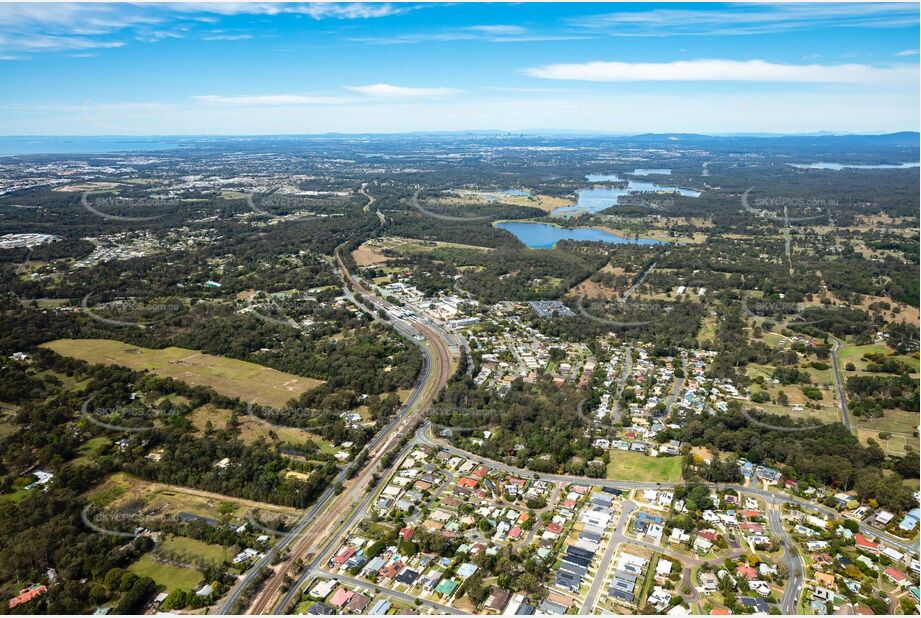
x=724, y=70
x=271, y=100
x=499, y=29
x=389, y=91
x=227, y=37
x=50, y=42
x=907, y=52
x=490, y=33
x=316, y=10
x=745, y=19
x=27, y=28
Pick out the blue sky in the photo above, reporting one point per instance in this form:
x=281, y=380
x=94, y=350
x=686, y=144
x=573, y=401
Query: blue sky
x=262, y=68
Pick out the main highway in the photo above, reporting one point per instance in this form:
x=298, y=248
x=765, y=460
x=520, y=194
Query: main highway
x=319, y=524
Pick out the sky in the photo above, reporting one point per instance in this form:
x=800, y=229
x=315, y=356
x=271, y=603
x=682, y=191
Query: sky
x=294, y=68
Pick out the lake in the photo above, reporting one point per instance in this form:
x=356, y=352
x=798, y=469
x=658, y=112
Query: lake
x=655, y=171
x=851, y=166
x=599, y=198
x=544, y=236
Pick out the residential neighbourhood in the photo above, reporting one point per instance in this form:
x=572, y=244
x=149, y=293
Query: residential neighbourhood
x=438, y=529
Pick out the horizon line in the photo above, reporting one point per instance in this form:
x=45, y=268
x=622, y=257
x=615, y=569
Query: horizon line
x=522, y=132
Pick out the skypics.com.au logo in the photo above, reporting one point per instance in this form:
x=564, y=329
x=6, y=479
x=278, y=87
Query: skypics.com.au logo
x=106, y=206
x=130, y=311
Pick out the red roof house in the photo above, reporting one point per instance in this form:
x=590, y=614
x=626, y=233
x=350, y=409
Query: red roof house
x=27, y=594
x=863, y=542
x=341, y=597
x=747, y=572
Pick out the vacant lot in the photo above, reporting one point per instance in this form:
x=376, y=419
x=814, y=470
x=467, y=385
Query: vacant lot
x=227, y=376
x=189, y=550
x=166, y=575
x=899, y=423
x=850, y=353
x=251, y=428
x=629, y=466
x=123, y=492
x=371, y=252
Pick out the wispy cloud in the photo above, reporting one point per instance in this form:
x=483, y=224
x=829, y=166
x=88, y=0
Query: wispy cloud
x=389, y=91
x=27, y=28
x=907, y=52
x=746, y=19
x=270, y=100
x=724, y=70
x=489, y=33
x=316, y=10
x=226, y=37
x=11, y=44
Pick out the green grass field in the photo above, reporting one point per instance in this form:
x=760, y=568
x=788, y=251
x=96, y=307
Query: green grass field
x=192, y=549
x=168, y=576
x=227, y=376
x=629, y=466
x=850, y=353
x=91, y=449
x=899, y=423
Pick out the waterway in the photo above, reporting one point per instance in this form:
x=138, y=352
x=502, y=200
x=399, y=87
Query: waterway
x=545, y=236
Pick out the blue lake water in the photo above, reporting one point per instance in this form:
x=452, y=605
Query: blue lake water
x=653, y=171
x=544, y=236
x=848, y=166
x=599, y=198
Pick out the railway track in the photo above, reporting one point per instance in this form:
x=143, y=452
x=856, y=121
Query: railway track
x=325, y=518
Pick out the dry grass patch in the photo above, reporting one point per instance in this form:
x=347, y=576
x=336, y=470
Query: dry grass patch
x=253, y=429
x=123, y=492
x=228, y=376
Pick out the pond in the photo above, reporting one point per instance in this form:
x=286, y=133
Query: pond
x=545, y=236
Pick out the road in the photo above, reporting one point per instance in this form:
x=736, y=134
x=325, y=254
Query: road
x=619, y=537
x=425, y=436
x=676, y=390
x=845, y=417
x=326, y=514
x=795, y=569
x=406, y=598
x=290, y=596
x=624, y=374
x=364, y=191
x=638, y=282
x=601, y=575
